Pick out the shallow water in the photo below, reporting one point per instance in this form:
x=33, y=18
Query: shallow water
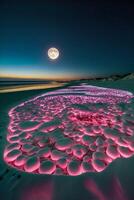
x=24, y=87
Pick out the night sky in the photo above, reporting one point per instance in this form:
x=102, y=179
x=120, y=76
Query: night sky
x=94, y=38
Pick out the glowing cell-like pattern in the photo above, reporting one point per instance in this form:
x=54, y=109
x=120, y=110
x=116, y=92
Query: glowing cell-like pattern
x=71, y=131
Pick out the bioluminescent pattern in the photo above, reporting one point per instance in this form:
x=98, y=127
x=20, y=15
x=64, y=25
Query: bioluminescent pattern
x=71, y=131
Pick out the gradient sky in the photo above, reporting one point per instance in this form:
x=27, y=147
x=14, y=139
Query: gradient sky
x=94, y=38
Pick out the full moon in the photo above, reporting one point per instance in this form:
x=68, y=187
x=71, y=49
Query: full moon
x=53, y=53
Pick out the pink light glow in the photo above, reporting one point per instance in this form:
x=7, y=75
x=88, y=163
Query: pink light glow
x=70, y=131
x=92, y=187
x=117, y=192
x=40, y=191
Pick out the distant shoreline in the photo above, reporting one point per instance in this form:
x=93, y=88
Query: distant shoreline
x=24, y=87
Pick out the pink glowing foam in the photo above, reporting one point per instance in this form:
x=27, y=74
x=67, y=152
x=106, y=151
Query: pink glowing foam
x=71, y=131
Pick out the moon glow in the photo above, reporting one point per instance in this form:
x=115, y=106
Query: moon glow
x=53, y=53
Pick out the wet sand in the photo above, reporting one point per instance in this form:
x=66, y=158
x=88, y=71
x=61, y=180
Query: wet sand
x=114, y=183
